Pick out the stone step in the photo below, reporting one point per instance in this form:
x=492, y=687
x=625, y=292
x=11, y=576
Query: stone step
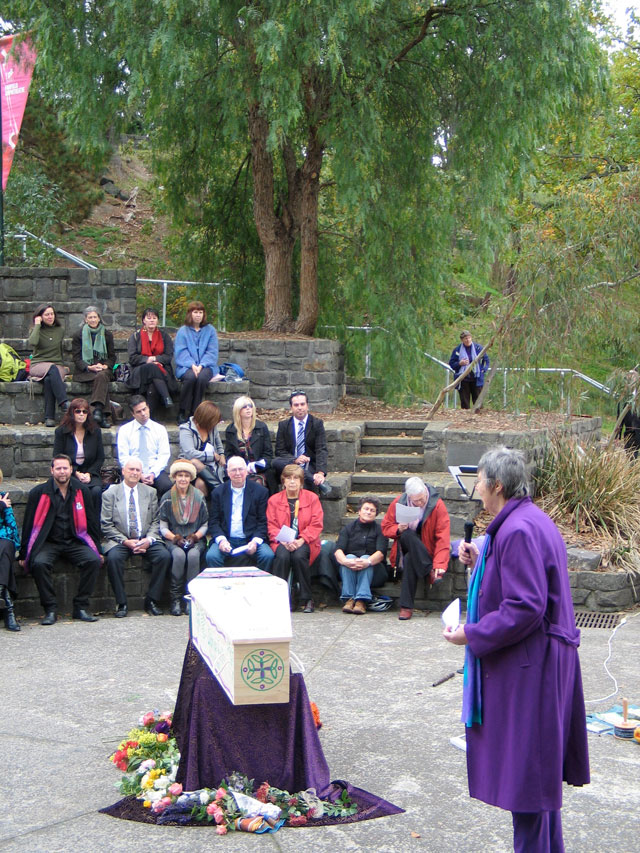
x=383, y=461
x=397, y=428
x=391, y=444
x=382, y=483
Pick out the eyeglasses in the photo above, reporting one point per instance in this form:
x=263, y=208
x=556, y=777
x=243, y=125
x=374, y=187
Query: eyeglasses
x=82, y=411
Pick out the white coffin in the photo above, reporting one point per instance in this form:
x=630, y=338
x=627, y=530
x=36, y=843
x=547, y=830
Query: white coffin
x=241, y=625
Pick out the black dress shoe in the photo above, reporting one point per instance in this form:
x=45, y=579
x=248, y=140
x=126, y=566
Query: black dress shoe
x=152, y=608
x=121, y=611
x=98, y=416
x=167, y=401
x=84, y=616
x=49, y=618
x=309, y=606
x=175, y=609
x=64, y=407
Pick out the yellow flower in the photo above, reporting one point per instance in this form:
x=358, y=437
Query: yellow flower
x=147, y=804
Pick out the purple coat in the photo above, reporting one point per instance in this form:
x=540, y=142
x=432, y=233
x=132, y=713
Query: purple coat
x=533, y=735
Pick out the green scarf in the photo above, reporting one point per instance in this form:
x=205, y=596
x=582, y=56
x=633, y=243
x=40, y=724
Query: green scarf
x=93, y=347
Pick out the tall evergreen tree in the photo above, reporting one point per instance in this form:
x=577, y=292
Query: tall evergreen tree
x=411, y=110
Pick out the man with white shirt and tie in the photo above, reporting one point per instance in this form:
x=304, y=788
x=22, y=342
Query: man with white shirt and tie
x=238, y=519
x=301, y=439
x=147, y=441
x=130, y=525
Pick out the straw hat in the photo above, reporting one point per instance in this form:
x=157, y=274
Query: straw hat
x=183, y=465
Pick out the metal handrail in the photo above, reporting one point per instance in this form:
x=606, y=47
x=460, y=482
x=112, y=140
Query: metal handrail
x=222, y=302
x=62, y=252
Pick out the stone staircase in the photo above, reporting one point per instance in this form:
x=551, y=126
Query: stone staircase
x=390, y=452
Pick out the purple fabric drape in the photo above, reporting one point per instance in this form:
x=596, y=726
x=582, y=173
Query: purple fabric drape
x=278, y=744
x=274, y=743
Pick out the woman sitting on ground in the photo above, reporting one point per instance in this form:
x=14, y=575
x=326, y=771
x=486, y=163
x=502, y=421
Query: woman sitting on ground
x=196, y=355
x=183, y=524
x=80, y=438
x=9, y=544
x=46, y=361
x=93, y=358
x=201, y=444
x=249, y=438
x=361, y=545
x=150, y=352
x=301, y=510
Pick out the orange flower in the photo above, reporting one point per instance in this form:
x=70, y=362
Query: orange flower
x=316, y=715
x=162, y=738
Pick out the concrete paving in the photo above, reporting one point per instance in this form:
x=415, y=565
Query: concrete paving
x=71, y=691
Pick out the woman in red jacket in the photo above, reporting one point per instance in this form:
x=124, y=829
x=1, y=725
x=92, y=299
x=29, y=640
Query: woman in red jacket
x=420, y=547
x=300, y=510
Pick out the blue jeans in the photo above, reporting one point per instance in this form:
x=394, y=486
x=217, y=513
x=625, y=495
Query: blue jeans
x=356, y=584
x=262, y=558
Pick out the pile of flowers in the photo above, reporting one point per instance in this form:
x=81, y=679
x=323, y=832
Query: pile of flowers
x=149, y=758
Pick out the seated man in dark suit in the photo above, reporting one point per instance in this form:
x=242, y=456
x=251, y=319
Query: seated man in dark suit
x=130, y=525
x=238, y=517
x=301, y=439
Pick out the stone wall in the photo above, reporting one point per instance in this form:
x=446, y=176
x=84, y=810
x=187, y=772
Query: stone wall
x=113, y=292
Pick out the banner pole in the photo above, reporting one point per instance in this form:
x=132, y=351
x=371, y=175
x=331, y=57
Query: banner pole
x=1, y=188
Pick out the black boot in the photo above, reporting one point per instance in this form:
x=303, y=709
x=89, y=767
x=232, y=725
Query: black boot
x=9, y=616
x=175, y=597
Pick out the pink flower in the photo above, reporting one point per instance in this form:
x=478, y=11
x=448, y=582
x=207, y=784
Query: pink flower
x=221, y=830
x=176, y=789
x=166, y=800
x=147, y=718
x=212, y=808
x=159, y=807
x=220, y=793
x=219, y=818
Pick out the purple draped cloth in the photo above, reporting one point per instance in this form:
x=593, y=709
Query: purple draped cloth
x=278, y=744
x=274, y=743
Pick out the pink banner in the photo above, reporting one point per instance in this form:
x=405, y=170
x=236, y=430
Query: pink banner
x=16, y=67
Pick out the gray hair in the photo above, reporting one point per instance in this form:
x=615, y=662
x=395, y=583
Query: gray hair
x=414, y=486
x=508, y=467
x=91, y=309
x=237, y=460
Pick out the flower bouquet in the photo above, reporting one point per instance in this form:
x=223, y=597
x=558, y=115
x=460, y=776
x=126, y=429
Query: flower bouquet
x=149, y=758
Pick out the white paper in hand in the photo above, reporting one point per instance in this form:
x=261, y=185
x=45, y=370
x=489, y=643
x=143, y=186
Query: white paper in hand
x=451, y=616
x=286, y=534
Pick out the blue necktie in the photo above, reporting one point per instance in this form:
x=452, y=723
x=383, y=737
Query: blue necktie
x=143, y=450
x=133, y=517
x=300, y=440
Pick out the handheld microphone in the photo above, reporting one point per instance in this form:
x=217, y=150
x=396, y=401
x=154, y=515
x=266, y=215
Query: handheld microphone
x=468, y=531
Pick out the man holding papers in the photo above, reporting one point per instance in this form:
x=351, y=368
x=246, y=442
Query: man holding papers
x=418, y=523
x=238, y=521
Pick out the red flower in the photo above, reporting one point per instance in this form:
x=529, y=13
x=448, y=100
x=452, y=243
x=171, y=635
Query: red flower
x=293, y=801
x=261, y=793
x=297, y=820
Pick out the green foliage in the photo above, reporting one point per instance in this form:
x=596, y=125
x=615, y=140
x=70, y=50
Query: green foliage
x=31, y=201
x=599, y=490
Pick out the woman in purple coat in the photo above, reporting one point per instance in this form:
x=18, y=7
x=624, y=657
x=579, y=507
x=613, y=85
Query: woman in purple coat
x=522, y=699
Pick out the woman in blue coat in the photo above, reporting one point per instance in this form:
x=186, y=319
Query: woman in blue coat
x=196, y=356
x=522, y=700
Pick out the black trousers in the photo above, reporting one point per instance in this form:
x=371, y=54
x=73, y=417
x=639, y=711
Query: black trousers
x=79, y=555
x=297, y=562
x=100, y=386
x=157, y=559
x=7, y=575
x=54, y=391
x=192, y=389
x=153, y=385
x=416, y=563
x=466, y=390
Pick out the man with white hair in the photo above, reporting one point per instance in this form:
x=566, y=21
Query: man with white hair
x=238, y=520
x=421, y=547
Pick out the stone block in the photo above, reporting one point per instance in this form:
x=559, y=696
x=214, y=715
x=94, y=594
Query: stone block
x=81, y=291
x=269, y=377
x=78, y=276
x=264, y=348
x=298, y=349
x=21, y=288
x=333, y=513
x=110, y=277
x=620, y=599
x=579, y=595
x=603, y=581
x=581, y=559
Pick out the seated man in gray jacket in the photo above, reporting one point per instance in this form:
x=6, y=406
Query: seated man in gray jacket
x=130, y=525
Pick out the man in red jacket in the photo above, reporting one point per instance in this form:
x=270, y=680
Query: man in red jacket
x=420, y=547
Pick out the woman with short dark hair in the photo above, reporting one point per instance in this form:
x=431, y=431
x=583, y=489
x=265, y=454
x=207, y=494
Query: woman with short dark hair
x=47, y=365
x=361, y=545
x=196, y=355
x=93, y=358
x=150, y=352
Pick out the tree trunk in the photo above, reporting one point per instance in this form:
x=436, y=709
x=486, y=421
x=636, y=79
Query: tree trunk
x=310, y=186
x=277, y=233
